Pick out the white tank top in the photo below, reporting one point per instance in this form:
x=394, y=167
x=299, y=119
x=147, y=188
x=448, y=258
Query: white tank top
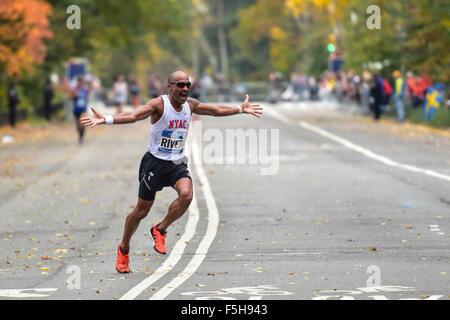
x=168, y=135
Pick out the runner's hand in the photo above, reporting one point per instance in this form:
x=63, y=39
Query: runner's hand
x=95, y=119
x=253, y=109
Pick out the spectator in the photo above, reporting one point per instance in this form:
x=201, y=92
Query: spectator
x=48, y=97
x=135, y=92
x=313, y=89
x=195, y=87
x=433, y=99
x=399, y=95
x=418, y=91
x=387, y=93
x=154, y=87
x=375, y=96
x=120, y=93
x=13, y=100
x=96, y=86
x=206, y=84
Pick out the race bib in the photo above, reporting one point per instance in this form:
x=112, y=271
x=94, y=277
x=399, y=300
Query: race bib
x=172, y=141
x=81, y=103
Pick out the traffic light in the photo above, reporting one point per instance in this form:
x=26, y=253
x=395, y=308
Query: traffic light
x=331, y=47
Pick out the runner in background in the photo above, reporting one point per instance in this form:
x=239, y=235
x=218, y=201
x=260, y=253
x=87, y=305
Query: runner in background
x=80, y=96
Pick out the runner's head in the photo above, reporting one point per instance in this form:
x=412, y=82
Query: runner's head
x=80, y=81
x=179, y=85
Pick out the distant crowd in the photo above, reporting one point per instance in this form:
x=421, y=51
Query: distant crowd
x=410, y=90
x=368, y=89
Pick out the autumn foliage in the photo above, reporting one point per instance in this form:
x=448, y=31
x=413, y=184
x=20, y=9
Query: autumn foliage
x=24, y=25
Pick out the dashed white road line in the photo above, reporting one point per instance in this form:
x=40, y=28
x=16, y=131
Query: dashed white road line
x=435, y=228
x=27, y=293
x=213, y=223
x=355, y=147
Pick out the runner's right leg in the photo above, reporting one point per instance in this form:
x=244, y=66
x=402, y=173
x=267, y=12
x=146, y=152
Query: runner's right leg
x=139, y=212
x=80, y=127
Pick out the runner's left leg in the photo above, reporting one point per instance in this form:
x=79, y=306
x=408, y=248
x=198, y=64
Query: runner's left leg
x=179, y=206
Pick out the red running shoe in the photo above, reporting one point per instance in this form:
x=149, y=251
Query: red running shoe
x=159, y=240
x=123, y=261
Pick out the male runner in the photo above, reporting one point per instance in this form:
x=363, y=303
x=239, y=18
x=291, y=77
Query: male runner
x=80, y=96
x=161, y=166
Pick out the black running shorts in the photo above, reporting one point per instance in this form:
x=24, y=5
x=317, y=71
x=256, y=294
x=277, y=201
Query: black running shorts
x=155, y=174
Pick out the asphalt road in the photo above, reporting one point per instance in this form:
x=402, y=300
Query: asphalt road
x=323, y=205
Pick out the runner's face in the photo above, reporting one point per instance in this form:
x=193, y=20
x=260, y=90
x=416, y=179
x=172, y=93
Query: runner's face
x=179, y=94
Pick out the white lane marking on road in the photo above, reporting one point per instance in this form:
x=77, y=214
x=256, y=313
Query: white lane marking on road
x=213, y=223
x=435, y=228
x=173, y=258
x=26, y=293
x=357, y=148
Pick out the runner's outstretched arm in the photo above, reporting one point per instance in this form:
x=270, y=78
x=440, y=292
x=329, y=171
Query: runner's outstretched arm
x=221, y=111
x=125, y=117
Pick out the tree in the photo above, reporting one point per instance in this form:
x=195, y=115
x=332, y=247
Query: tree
x=286, y=36
x=24, y=25
x=427, y=37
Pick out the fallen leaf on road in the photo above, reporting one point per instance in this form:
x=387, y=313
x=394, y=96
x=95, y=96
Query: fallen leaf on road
x=45, y=268
x=407, y=227
x=46, y=258
x=373, y=249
